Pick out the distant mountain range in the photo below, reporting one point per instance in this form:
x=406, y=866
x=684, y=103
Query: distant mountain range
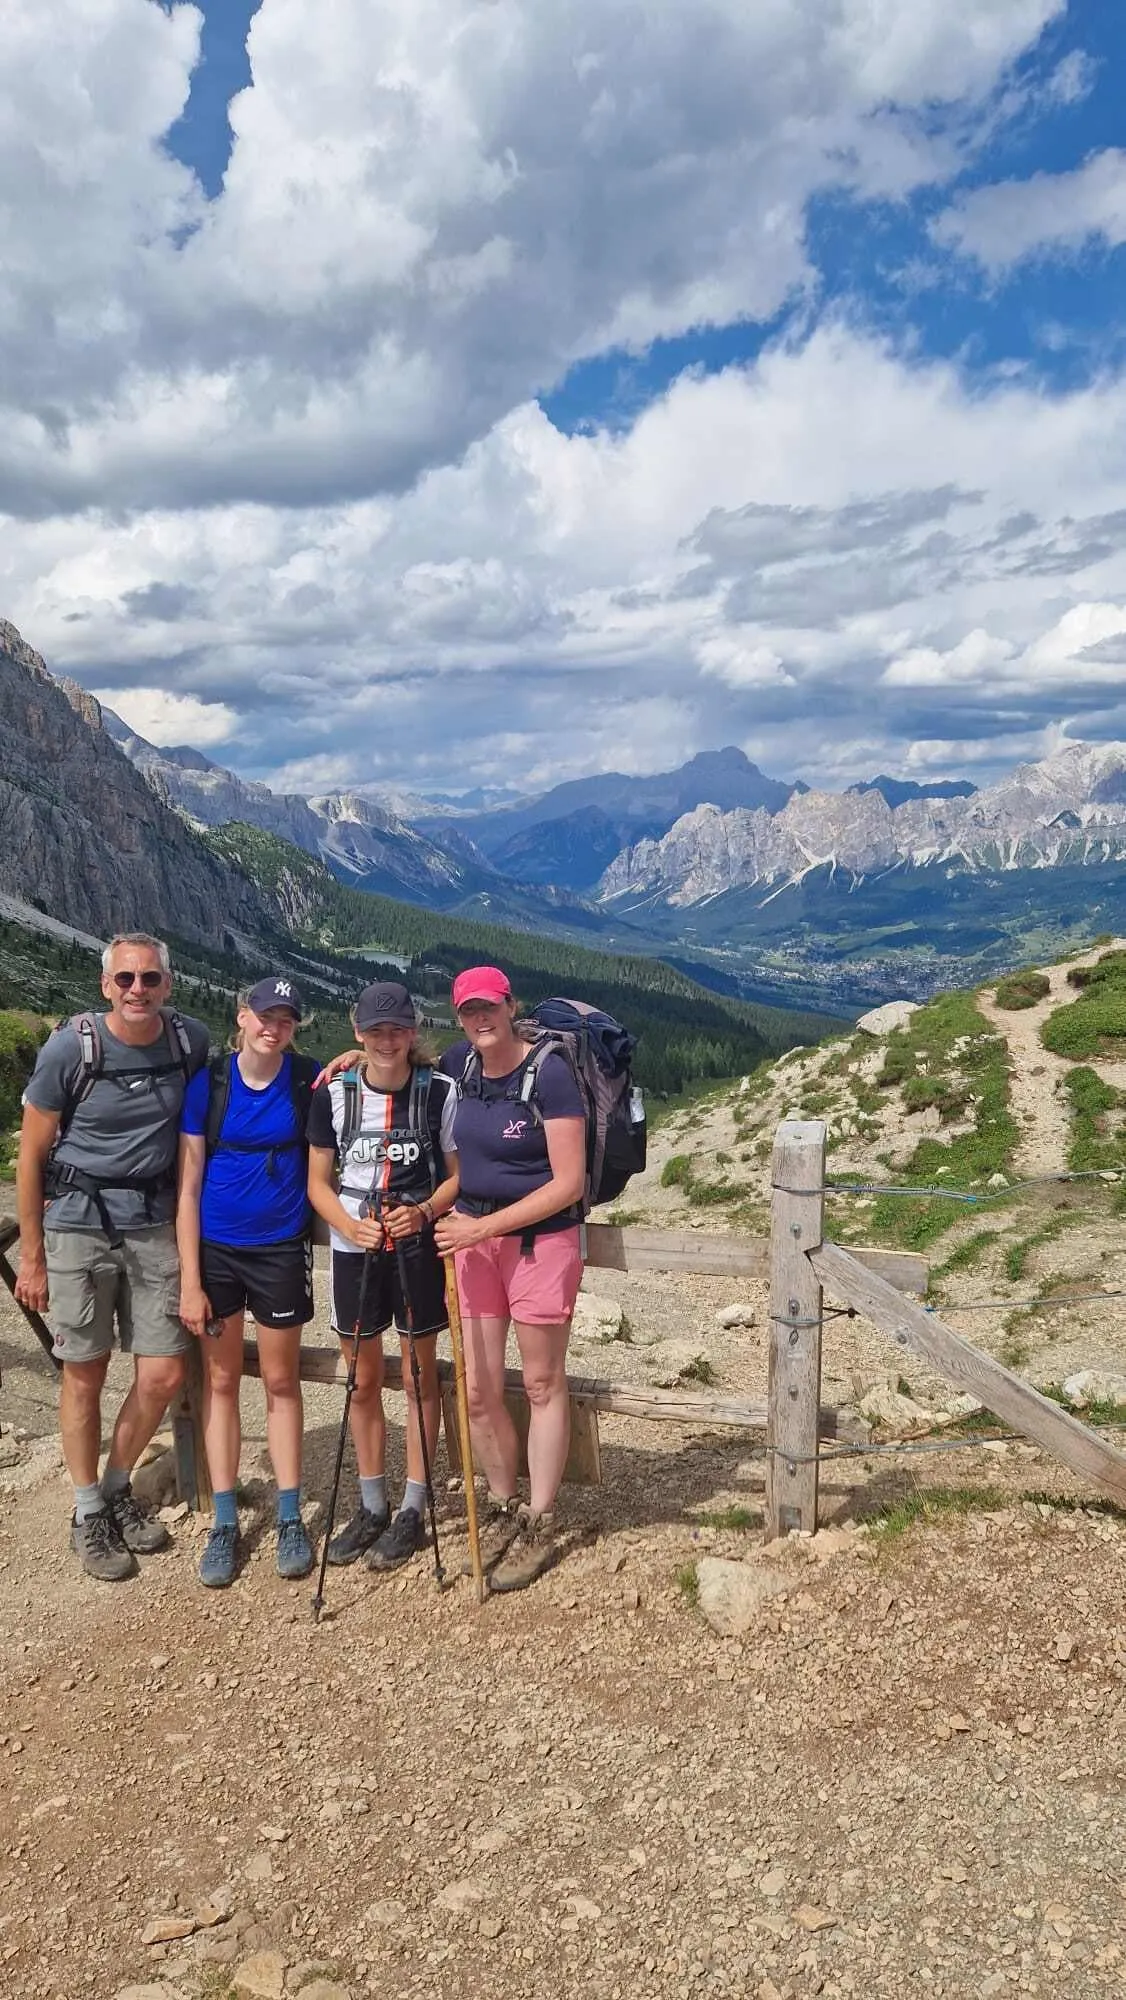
x=1068, y=811
x=763, y=887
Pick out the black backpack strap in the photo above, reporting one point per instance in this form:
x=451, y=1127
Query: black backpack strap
x=303, y=1071
x=91, y=1062
x=418, y=1118
x=468, y=1084
x=180, y=1043
x=353, y=1113
x=219, y=1096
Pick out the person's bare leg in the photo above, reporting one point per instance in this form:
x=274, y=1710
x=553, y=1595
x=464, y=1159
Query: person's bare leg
x=427, y=1356
x=222, y=1380
x=366, y=1420
x=157, y=1380
x=496, y=1446
x=543, y=1353
x=279, y=1359
x=80, y=1417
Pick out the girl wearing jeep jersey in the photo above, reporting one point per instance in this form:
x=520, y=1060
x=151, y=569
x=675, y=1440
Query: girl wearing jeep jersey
x=360, y=1128
x=515, y=1234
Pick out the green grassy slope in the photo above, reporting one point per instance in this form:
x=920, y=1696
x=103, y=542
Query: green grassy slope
x=686, y=1032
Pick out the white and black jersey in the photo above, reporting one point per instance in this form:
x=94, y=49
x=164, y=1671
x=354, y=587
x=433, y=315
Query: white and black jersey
x=383, y=1157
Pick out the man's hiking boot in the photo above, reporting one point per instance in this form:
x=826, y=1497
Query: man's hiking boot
x=498, y=1526
x=362, y=1531
x=219, y=1561
x=295, y=1550
x=531, y=1551
x=398, y=1542
x=99, y=1547
x=140, y=1533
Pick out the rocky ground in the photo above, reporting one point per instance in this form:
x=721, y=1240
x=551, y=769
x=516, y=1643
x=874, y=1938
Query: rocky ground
x=887, y=1761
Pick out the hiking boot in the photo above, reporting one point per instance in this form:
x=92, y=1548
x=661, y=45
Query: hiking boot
x=219, y=1561
x=99, y=1547
x=398, y=1542
x=140, y=1533
x=362, y=1531
x=531, y=1551
x=498, y=1526
x=295, y=1550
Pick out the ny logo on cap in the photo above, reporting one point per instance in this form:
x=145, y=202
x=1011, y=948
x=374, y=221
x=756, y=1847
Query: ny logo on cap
x=282, y=988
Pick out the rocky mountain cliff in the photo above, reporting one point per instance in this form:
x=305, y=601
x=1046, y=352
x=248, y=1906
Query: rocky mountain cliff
x=1067, y=811
x=361, y=841
x=83, y=836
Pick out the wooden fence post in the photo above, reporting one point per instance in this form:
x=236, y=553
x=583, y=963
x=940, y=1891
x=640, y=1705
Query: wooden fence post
x=797, y=1208
x=193, y=1481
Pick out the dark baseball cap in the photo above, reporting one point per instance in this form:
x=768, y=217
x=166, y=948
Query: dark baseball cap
x=384, y=1005
x=276, y=992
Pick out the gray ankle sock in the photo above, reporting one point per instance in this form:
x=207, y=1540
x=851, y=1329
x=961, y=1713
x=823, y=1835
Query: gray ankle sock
x=88, y=1500
x=373, y=1493
x=114, y=1481
x=414, y=1496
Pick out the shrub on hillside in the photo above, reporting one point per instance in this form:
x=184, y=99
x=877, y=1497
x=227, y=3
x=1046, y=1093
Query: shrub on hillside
x=1022, y=989
x=1089, y=1024
x=20, y=1038
x=676, y=1172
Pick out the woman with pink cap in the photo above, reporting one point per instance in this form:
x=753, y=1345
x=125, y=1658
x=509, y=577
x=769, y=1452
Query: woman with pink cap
x=514, y=1232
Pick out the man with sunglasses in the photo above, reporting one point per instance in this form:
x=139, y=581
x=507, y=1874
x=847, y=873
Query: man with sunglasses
x=96, y=1190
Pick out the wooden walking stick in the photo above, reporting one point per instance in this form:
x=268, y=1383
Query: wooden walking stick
x=453, y=1308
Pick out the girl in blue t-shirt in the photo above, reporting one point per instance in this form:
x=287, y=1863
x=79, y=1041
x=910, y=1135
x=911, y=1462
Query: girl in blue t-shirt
x=242, y=1226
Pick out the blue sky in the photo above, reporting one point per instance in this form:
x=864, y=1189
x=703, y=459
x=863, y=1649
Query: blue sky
x=430, y=392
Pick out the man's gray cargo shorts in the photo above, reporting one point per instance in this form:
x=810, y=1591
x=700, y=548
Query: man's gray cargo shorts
x=92, y=1287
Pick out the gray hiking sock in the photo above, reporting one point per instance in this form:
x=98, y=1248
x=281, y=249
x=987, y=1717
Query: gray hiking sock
x=414, y=1496
x=114, y=1481
x=88, y=1500
x=373, y=1493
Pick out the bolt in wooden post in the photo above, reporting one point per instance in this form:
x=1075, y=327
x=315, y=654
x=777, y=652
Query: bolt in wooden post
x=794, y=1364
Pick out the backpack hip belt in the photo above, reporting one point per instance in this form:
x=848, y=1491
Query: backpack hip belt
x=60, y=1178
x=476, y=1206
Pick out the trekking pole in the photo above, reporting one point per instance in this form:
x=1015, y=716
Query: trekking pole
x=453, y=1308
x=416, y=1379
x=349, y=1390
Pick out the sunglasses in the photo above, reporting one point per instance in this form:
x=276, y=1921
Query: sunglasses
x=150, y=980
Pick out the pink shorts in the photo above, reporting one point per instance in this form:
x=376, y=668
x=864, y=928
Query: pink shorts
x=496, y=1281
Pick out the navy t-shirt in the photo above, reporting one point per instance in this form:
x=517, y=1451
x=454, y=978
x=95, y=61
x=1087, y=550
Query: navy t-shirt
x=251, y=1198
x=501, y=1145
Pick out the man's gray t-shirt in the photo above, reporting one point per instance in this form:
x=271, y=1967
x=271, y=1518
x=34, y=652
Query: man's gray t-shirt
x=127, y=1127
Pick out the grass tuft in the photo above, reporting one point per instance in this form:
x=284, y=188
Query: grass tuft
x=932, y=1504
x=688, y=1584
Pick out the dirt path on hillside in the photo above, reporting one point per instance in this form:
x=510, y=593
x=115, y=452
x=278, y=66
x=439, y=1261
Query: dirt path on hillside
x=909, y=1768
x=1036, y=1088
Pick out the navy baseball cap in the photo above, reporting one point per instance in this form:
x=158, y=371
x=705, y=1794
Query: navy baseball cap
x=384, y=1005
x=276, y=992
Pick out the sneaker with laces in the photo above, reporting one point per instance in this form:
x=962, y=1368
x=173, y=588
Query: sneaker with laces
x=295, y=1550
x=498, y=1526
x=362, y=1531
x=401, y=1540
x=99, y=1547
x=140, y=1533
x=531, y=1551
x=219, y=1561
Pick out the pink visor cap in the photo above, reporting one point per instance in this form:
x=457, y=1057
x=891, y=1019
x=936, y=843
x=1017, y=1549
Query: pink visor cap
x=480, y=982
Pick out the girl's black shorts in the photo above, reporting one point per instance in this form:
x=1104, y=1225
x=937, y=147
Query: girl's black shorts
x=383, y=1300
x=274, y=1281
